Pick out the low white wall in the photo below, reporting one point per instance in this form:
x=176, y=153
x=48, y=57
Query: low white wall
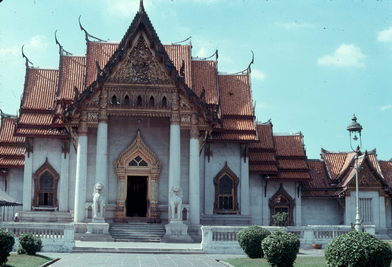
x=55, y=237
x=223, y=239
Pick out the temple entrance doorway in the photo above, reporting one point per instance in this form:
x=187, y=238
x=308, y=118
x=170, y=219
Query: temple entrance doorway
x=136, y=202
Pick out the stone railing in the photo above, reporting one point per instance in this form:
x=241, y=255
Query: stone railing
x=223, y=239
x=56, y=237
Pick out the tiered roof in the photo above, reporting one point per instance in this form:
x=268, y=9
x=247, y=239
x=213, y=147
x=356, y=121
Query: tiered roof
x=280, y=157
x=12, y=148
x=335, y=172
x=48, y=93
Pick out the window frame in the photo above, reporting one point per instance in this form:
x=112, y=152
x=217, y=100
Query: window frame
x=45, y=168
x=226, y=171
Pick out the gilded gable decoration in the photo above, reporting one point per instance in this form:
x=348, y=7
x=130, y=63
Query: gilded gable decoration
x=140, y=67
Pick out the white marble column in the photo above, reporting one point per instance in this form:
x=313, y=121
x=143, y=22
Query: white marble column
x=194, y=173
x=101, y=164
x=383, y=222
x=175, y=147
x=101, y=167
x=298, y=205
x=81, y=173
x=64, y=178
x=245, y=208
x=28, y=176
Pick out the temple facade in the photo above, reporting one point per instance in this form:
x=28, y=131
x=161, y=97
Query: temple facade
x=166, y=136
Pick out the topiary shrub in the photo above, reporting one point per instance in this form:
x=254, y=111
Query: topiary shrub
x=29, y=244
x=250, y=239
x=7, y=242
x=280, y=219
x=358, y=249
x=281, y=249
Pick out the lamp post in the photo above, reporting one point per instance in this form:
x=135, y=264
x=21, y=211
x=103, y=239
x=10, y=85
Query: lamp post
x=354, y=129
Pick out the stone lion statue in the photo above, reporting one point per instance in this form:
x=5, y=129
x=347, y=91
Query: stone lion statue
x=175, y=203
x=98, y=206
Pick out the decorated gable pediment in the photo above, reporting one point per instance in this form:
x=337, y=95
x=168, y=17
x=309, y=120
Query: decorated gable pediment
x=140, y=66
x=366, y=178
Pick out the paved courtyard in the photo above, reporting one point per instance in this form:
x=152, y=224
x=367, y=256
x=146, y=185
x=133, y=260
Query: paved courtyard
x=150, y=260
x=139, y=260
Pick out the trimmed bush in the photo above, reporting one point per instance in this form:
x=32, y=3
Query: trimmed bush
x=29, y=244
x=280, y=219
x=281, y=249
x=358, y=249
x=250, y=240
x=7, y=242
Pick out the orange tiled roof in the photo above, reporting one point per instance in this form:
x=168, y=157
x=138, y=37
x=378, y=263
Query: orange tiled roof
x=72, y=74
x=204, y=75
x=336, y=163
x=177, y=54
x=235, y=95
x=282, y=157
x=386, y=168
x=12, y=148
x=40, y=89
x=289, y=145
x=11, y=163
x=7, y=131
x=97, y=52
x=37, y=119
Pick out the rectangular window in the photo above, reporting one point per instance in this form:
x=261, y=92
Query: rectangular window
x=366, y=210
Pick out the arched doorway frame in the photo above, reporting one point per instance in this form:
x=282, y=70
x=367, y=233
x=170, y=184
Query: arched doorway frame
x=151, y=171
x=276, y=202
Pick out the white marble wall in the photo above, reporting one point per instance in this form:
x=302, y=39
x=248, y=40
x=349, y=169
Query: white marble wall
x=256, y=198
x=378, y=208
x=221, y=153
x=318, y=211
x=14, y=183
x=272, y=188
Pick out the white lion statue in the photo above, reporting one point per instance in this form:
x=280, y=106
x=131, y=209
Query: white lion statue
x=98, y=206
x=175, y=203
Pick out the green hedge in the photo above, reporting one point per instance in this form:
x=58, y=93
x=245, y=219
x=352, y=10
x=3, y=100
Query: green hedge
x=281, y=249
x=358, y=249
x=29, y=244
x=7, y=242
x=250, y=240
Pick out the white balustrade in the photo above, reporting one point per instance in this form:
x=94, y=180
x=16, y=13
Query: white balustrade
x=223, y=239
x=56, y=237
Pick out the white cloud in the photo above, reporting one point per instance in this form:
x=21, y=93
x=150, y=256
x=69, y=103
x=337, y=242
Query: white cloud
x=37, y=42
x=11, y=51
x=294, y=25
x=385, y=107
x=385, y=36
x=346, y=55
x=258, y=74
x=34, y=45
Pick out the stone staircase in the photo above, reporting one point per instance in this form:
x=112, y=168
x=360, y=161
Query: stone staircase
x=230, y=220
x=137, y=232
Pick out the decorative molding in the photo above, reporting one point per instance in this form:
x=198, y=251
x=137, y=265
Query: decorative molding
x=226, y=171
x=46, y=167
x=151, y=169
x=282, y=199
x=140, y=67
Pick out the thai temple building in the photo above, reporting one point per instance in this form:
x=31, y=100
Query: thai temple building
x=140, y=131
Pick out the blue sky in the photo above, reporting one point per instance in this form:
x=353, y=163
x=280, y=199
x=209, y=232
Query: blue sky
x=316, y=62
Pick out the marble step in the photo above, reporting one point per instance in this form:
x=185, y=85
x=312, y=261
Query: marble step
x=137, y=232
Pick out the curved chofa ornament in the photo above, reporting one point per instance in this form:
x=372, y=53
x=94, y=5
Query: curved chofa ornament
x=138, y=160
